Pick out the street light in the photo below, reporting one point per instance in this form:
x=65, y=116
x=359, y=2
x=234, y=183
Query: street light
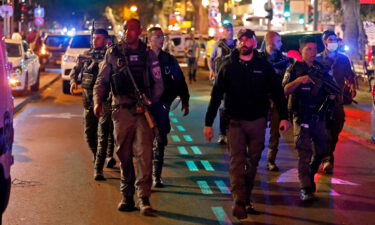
x=133, y=8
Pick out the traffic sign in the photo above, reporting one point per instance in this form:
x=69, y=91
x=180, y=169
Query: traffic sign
x=39, y=12
x=39, y=21
x=6, y=10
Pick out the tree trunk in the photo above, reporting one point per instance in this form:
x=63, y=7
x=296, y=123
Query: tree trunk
x=201, y=18
x=354, y=35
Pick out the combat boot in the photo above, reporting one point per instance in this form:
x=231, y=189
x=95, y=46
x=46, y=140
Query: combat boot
x=145, y=206
x=327, y=167
x=250, y=208
x=239, y=210
x=111, y=162
x=127, y=204
x=306, y=195
x=99, y=176
x=158, y=181
x=271, y=166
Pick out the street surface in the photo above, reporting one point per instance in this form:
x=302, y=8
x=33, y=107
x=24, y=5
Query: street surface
x=53, y=174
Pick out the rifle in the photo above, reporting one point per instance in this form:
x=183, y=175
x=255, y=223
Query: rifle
x=143, y=102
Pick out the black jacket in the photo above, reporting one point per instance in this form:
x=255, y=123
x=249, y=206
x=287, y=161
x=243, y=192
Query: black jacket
x=174, y=80
x=246, y=88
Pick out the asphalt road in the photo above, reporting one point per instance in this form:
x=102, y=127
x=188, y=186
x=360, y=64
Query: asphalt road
x=53, y=175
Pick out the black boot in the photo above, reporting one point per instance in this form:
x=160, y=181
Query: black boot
x=127, y=204
x=158, y=167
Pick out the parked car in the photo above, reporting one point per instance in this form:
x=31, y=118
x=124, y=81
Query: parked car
x=26, y=66
x=54, y=46
x=6, y=127
x=78, y=45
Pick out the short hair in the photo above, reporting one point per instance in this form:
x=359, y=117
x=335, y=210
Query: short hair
x=133, y=19
x=149, y=31
x=270, y=35
x=327, y=33
x=101, y=31
x=306, y=39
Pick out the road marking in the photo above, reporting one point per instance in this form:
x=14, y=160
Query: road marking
x=174, y=120
x=207, y=165
x=172, y=129
x=191, y=165
x=182, y=150
x=175, y=138
x=221, y=216
x=180, y=128
x=222, y=186
x=196, y=150
x=59, y=115
x=171, y=113
x=204, y=187
x=291, y=176
x=188, y=138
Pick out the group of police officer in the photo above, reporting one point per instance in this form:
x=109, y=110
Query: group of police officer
x=311, y=91
x=130, y=88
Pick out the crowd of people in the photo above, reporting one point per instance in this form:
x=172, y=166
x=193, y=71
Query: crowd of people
x=129, y=88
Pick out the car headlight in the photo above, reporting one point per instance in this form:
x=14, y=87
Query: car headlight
x=69, y=58
x=17, y=71
x=43, y=50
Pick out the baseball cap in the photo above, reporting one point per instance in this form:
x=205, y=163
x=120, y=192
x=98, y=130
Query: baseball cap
x=245, y=32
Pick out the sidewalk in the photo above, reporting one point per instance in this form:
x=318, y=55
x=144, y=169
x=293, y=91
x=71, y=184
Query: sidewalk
x=46, y=79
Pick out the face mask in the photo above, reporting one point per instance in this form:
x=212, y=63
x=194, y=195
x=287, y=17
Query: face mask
x=332, y=46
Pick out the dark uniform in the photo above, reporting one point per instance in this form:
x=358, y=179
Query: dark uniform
x=246, y=88
x=342, y=72
x=280, y=63
x=133, y=135
x=309, y=123
x=98, y=132
x=218, y=56
x=174, y=85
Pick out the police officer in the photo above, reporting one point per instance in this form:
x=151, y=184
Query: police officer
x=222, y=50
x=98, y=133
x=280, y=63
x=133, y=133
x=340, y=68
x=174, y=85
x=246, y=82
x=308, y=98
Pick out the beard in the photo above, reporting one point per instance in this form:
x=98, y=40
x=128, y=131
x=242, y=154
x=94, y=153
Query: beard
x=246, y=51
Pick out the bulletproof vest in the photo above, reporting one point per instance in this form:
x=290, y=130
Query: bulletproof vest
x=278, y=61
x=307, y=98
x=137, y=62
x=91, y=68
x=225, y=52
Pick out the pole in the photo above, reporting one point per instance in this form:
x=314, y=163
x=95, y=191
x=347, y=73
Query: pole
x=316, y=15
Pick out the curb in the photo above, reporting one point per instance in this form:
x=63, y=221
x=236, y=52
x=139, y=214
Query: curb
x=35, y=95
x=360, y=137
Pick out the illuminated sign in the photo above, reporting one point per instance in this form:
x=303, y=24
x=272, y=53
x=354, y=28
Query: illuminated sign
x=367, y=1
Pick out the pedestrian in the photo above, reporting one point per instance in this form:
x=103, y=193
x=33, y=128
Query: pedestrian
x=192, y=54
x=246, y=82
x=280, y=63
x=341, y=71
x=221, y=51
x=174, y=85
x=309, y=100
x=133, y=77
x=98, y=132
x=168, y=45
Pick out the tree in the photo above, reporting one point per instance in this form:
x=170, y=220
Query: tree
x=352, y=14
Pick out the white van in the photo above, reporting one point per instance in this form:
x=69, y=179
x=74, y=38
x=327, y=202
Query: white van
x=6, y=127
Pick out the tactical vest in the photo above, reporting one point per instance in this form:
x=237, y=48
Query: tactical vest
x=137, y=61
x=225, y=52
x=91, y=69
x=307, y=98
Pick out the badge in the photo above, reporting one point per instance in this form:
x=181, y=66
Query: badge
x=133, y=58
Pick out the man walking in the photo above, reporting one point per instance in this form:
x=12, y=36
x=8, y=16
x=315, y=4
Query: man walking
x=174, y=85
x=280, y=63
x=341, y=71
x=246, y=82
x=222, y=50
x=125, y=66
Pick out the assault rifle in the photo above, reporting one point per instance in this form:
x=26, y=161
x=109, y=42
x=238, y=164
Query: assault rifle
x=143, y=102
x=321, y=80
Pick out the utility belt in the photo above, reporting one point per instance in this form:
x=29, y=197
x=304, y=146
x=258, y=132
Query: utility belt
x=310, y=118
x=134, y=108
